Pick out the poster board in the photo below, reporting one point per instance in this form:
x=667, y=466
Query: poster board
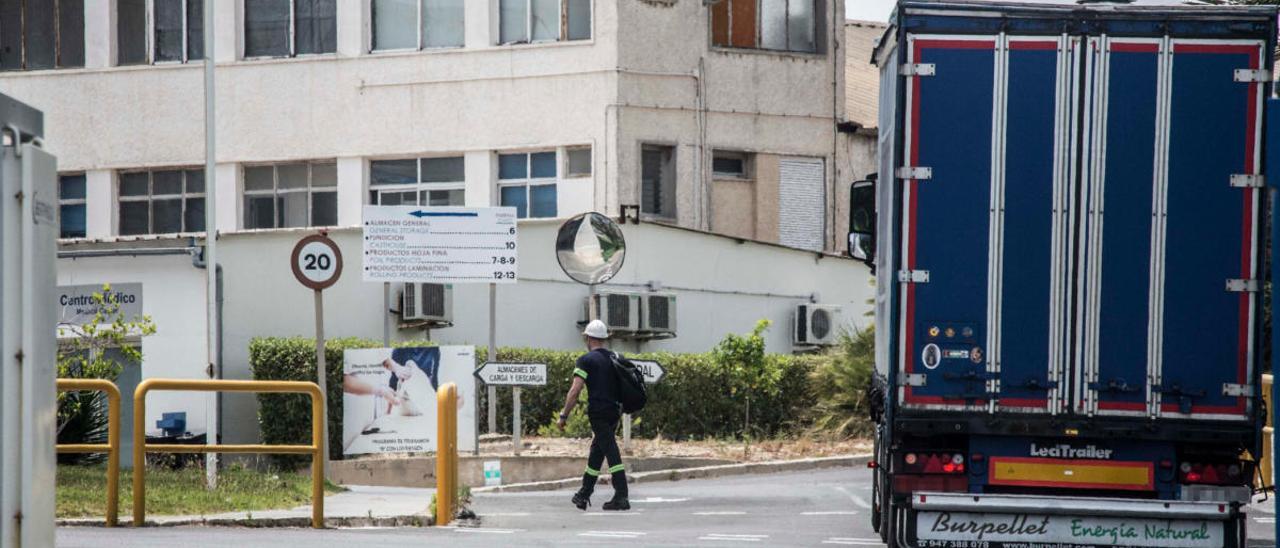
x=389, y=398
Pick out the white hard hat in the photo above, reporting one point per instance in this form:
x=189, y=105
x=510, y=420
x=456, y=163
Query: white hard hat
x=596, y=330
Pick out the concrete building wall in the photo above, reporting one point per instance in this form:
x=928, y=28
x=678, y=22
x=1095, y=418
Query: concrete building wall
x=704, y=271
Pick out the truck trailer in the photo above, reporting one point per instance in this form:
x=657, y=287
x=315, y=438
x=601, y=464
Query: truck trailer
x=1068, y=230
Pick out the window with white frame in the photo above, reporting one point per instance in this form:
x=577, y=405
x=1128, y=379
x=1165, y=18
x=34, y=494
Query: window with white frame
x=658, y=181
x=291, y=195
x=164, y=201
x=577, y=162
x=161, y=31
x=285, y=28
x=41, y=34
x=417, y=24
x=419, y=181
x=71, y=206
x=526, y=21
x=731, y=165
x=527, y=182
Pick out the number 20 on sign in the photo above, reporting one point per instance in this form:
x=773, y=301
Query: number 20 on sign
x=317, y=262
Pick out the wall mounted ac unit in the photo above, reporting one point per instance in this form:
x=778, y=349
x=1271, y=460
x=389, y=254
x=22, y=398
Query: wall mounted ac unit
x=427, y=302
x=619, y=311
x=815, y=324
x=658, y=314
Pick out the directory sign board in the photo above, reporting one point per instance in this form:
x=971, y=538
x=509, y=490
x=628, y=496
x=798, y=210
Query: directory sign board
x=412, y=244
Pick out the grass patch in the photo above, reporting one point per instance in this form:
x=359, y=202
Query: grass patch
x=82, y=491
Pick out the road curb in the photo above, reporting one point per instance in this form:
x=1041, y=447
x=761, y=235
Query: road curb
x=700, y=472
x=412, y=520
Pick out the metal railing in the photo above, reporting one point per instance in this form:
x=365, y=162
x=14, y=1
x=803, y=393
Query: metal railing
x=111, y=448
x=141, y=447
x=446, y=453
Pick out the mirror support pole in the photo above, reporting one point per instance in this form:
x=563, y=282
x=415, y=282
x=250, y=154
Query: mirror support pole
x=493, y=356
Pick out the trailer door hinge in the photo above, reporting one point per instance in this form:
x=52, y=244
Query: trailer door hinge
x=1242, y=286
x=913, y=379
x=918, y=69
x=1251, y=75
x=1238, y=390
x=1241, y=180
x=913, y=172
x=913, y=276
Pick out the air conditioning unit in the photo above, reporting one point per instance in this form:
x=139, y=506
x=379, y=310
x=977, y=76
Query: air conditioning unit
x=658, y=314
x=815, y=324
x=427, y=302
x=619, y=311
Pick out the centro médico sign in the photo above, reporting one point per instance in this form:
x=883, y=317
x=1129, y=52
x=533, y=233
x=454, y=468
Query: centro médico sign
x=1064, y=451
x=76, y=305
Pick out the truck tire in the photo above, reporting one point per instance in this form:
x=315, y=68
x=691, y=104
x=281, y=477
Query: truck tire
x=876, y=491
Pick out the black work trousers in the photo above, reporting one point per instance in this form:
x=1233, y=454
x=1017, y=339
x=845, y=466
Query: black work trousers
x=604, y=445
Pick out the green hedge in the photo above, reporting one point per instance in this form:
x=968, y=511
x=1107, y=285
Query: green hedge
x=694, y=400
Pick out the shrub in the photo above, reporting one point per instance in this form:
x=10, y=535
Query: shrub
x=696, y=400
x=840, y=385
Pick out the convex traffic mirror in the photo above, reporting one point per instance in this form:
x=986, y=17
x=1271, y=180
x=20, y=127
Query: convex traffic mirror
x=590, y=248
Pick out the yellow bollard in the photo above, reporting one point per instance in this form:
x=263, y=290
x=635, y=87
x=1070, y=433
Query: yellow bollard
x=1264, y=463
x=112, y=448
x=446, y=453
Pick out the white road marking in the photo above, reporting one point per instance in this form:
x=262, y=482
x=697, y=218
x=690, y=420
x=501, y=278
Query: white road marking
x=733, y=538
x=719, y=513
x=830, y=513
x=479, y=530
x=859, y=501
x=613, y=534
x=659, y=499
x=1265, y=520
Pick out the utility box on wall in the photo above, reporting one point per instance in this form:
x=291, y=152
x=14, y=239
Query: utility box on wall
x=28, y=322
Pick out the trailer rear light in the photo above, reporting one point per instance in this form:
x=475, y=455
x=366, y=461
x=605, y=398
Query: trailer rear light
x=1211, y=474
x=933, y=463
x=977, y=457
x=1166, y=464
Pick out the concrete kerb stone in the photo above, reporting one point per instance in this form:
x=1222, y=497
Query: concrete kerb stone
x=700, y=472
x=418, y=520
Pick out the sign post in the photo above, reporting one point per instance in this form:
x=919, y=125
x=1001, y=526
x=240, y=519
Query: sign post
x=515, y=375
x=413, y=244
x=317, y=264
x=653, y=372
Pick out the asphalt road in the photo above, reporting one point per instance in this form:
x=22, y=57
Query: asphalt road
x=824, y=508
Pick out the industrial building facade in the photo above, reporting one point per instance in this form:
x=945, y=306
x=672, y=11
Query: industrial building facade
x=719, y=121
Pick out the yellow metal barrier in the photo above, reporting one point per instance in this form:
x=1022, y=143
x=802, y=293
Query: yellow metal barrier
x=446, y=453
x=111, y=448
x=1264, y=463
x=140, y=446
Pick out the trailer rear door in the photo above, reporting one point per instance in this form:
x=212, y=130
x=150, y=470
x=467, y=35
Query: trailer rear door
x=945, y=244
x=1210, y=208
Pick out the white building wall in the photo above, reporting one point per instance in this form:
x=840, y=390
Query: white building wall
x=173, y=295
x=705, y=272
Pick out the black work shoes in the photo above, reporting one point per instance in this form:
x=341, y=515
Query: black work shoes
x=618, y=503
x=582, y=501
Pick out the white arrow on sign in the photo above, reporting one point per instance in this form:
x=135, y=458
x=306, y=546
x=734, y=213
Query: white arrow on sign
x=512, y=374
x=653, y=371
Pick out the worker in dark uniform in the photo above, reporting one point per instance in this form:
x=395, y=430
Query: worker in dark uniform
x=595, y=372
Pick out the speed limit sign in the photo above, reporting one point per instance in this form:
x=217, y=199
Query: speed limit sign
x=317, y=262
